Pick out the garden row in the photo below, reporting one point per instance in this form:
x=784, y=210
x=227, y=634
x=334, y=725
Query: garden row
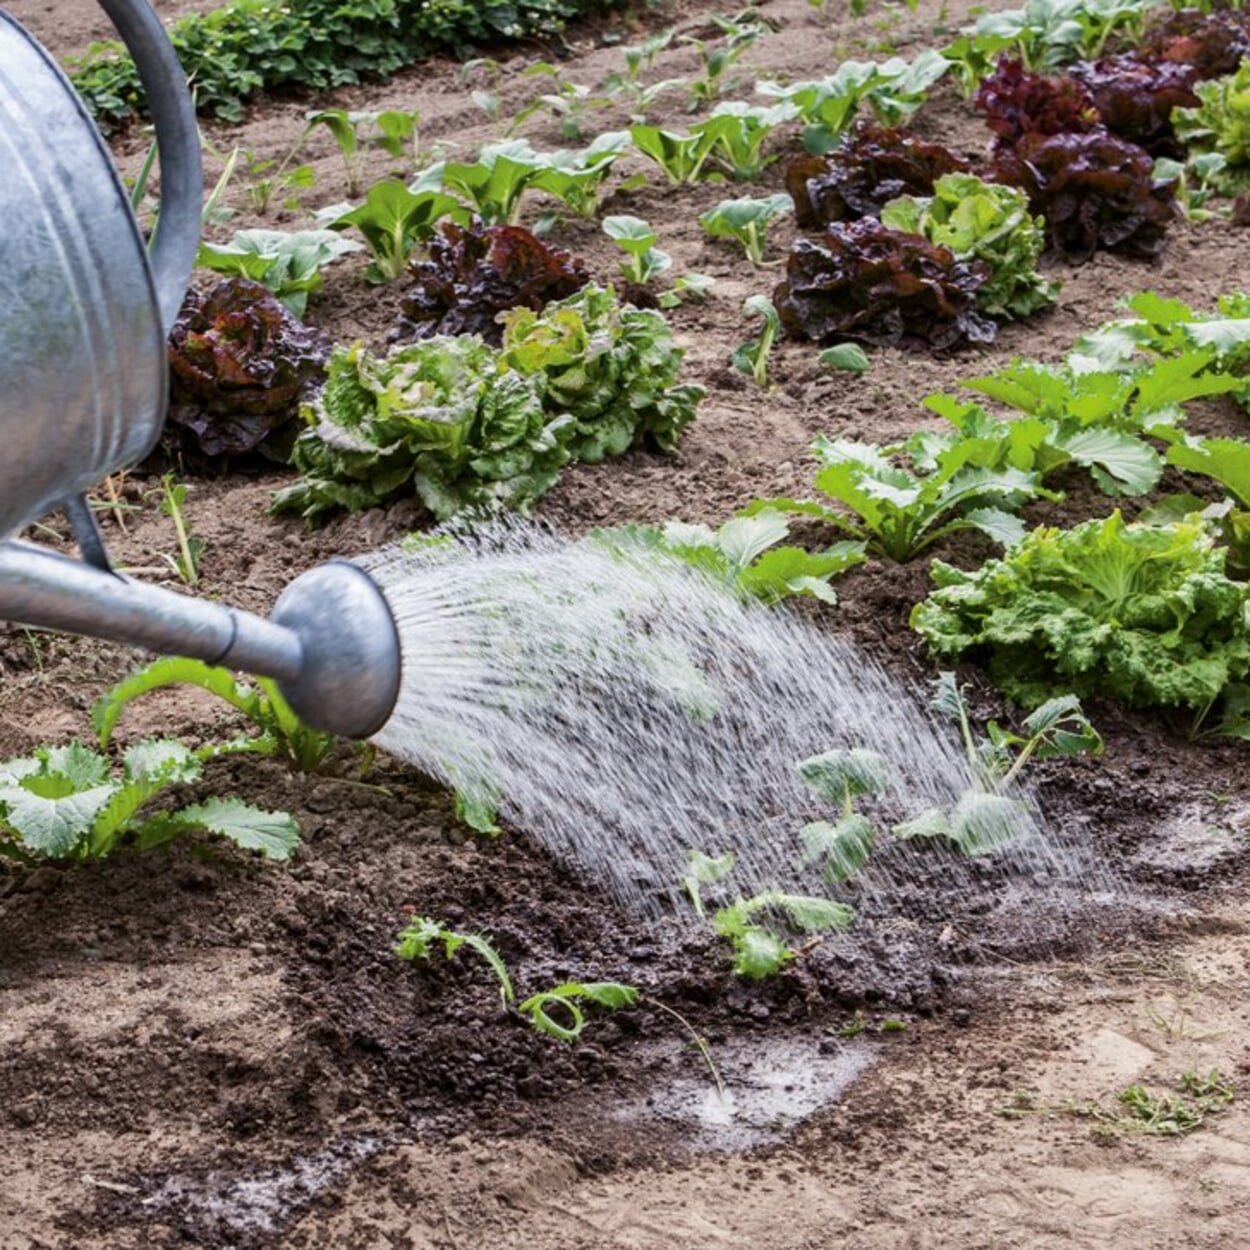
x=510, y=361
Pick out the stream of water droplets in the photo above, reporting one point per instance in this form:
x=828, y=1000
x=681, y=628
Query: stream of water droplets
x=629, y=711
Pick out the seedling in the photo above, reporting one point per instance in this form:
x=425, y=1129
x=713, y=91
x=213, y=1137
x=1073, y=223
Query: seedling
x=1164, y=1115
x=567, y=999
x=840, y=777
x=266, y=178
x=190, y=547
x=758, y=951
x=681, y=157
x=746, y=220
x=716, y=59
x=278, y=728
x=69, y=803
x=637, y=239
x=418, y=939
x=751, y=357
x=740, y=131
x=393, y=130
x=846, y=357
x=690, y=287
x=288, y=264
x=569, y=103
x=1196, y=181
x=392, y=221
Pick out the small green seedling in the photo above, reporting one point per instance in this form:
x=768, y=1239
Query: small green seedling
x=636, y=238
x=266, y=178
x=568, y=999
x=393, y=130
x=746, y=220
x=392, y=221
x=690, y=288
x=717, y=59
x=69, y=803
x=570, y=103
x=758, y=951
x=190, y=547
x=280, y=731
x=842, y=847
x=846, y=357
x=681, y=157
x=752, y=356
x=1196, y=181
x=418, y=938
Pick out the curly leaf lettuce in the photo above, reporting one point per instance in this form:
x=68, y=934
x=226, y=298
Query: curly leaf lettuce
x=1142, y=614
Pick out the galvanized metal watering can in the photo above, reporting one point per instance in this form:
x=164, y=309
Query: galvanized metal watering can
x=84, y=314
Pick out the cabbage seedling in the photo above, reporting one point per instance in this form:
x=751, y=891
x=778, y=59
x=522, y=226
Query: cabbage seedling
x=393, y=130
x=746, y=220
x=752, y=356
x=636, y=238
x=840, y=777
x=393, y=220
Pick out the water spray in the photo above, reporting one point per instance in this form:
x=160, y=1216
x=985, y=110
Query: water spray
x=85, y=310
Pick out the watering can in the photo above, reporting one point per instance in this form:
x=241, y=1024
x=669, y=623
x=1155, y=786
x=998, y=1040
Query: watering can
x=85, y=310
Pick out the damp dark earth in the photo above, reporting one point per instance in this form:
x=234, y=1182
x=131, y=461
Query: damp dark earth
x=200, y=1046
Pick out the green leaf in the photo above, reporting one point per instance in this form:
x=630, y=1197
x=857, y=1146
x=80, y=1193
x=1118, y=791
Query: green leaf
x=274, y=834
x=849, y=357
x=759, y=954
x=982, y=824
x=842, y=849
x=815, y=915
x=839, y=775
x=611, y=995
x=51, y=801
x=929, y=825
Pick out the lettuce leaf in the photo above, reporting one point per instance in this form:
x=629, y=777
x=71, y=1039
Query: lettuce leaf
x=1142, y=614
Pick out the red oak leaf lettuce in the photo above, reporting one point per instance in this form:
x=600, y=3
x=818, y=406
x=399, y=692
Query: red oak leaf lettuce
x=472, y=274
x=873, y=166
x=1017, y=102
x=239, y=367
x=1135, y=99
x=862, y=280
x=1212, y=45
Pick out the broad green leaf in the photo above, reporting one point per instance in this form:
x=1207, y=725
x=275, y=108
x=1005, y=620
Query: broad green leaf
x=849, y=357
x=981, y=824
x=759, y=954
x=842, y=849
x=839, y=775
x=930, y=824
x=274, y=834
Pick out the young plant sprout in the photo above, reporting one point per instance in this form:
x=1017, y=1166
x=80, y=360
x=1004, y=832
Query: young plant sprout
x=392, y=130
x=419, y=937
x=751, y=357
x=567, y=999
x=842, y=847
x=570, y=103
x=636, y=238
x=689, y=288
x=392, y=221
x=190, y=546
x=746, y=220
x=846, y=357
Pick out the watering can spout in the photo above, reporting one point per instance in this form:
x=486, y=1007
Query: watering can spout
x=330, y=643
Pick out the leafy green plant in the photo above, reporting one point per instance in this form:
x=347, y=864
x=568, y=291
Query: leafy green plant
x=570, y=103
x=899, y=512
x=186, y=564
x=288, y=264
x=743, y=553
x=687, y=288
x=496, y=181
x=982, y=221
x=752, y=356
x=841, y=847
x=279, y=730
x=637, y=239
x=418, y=939
x=682, y=157
x=1139, y=613
x=847, y=357
x=1165, y=1115
x=759, y=951
x=267, y=177
x=746, y=220
x=1220, y=125
x=471, y=427
x=717, y=59
x=71, y=803
x=739, y=132
x=893, y=89
x=392, y=221
x=393, y=130
x=1195, y=181
x=568, y=999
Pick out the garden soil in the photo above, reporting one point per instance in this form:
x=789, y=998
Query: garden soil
x=197, y=1049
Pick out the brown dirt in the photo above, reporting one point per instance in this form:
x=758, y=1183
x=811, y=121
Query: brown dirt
x=196, y=1049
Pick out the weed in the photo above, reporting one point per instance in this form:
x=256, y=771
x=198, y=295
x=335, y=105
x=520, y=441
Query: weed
x=190, y=547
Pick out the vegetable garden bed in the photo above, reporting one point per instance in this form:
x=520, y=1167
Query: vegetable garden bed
x=200, y=1049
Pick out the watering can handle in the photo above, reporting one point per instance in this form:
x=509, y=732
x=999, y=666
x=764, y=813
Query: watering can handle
x=177, y=236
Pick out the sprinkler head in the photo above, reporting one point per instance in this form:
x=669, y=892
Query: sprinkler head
x=350, y=662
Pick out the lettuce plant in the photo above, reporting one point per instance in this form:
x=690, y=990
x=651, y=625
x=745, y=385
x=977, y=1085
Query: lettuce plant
x=608, y=371
x=743, y=554
x=1221, y=124
x=980, y=221
x=745, y=220
x=873, y=166
x=288, y=264
x=898, y=512
x=862, y=280
x=471, y=274
x=1210, y=43
x=72, y=803
x=1094, y=190
x=240, y=365
x=1017, y=102
x=1143, y=614
x=1135, y=99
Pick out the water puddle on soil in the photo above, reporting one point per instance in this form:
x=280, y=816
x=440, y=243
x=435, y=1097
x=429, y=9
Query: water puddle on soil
x=770, y=1088
x=262, y=1202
